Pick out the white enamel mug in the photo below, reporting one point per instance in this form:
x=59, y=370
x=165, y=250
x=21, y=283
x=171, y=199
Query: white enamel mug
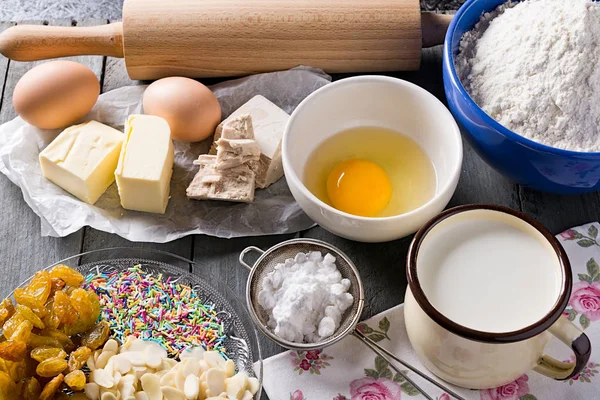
x=478, y=359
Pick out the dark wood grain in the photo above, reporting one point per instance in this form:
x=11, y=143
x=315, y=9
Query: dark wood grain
x=23, y=249
x=560, y=212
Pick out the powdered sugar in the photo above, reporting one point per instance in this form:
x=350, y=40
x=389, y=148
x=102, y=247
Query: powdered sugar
x=533, y=67
x=306, y=298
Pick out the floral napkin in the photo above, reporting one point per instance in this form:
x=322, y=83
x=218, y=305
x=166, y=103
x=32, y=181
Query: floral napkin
x=348, y=370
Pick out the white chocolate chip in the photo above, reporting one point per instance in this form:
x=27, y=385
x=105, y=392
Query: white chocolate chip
x=215, y=380
x=191, y=389
x=253, y=385
x=247, y=395
x=236, y=385
x=190, y=366
x=214, y=359
x=92, y=391
x=102, y=378
x=151, y=385
x=229, y=368
x=108, y=396
x=111, y=345
x=121, y=364
x=91, y=363
x=141, y=396
x=171, y=393
x=103, y=358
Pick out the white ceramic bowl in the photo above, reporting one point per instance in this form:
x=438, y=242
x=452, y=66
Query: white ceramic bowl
x=372, y=101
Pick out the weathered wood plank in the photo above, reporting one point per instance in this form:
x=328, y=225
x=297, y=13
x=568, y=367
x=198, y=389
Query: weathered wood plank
x=23, y=249
x=3, y=62
x=560, y=212
x=115, y=75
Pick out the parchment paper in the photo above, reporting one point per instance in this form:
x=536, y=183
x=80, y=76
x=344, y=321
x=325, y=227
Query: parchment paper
x=274, y=210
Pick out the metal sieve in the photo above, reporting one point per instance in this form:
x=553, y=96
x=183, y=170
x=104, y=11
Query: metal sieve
x=288, y=249
x=277, y=254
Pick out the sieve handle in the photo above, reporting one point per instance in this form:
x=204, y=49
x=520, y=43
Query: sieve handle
x=246, y=251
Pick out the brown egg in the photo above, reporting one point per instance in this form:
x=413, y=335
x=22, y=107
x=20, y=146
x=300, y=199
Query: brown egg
x=56, y=94
x=191, y=109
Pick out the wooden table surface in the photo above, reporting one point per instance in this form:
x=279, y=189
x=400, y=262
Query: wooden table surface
x=382, y=266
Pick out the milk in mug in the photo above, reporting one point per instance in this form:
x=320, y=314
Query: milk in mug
x=489, y=275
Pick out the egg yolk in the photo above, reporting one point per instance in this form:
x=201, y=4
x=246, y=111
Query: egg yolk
x=359, y=187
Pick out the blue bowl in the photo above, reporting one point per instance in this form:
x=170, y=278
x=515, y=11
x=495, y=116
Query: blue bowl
x=523, y=161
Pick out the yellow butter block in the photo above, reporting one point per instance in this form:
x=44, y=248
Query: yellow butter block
x=145, y=164
x=82, y=159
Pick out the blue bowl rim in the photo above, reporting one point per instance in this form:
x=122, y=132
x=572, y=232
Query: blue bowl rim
x=448, y=63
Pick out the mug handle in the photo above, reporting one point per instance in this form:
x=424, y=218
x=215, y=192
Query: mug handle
x=572, y=336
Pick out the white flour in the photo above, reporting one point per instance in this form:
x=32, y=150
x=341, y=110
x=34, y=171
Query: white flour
x=533, y=67
x=305, y=297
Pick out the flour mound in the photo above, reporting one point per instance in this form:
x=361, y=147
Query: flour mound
x=533, y=67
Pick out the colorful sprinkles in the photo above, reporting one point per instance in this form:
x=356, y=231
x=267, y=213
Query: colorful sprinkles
x=140, y=304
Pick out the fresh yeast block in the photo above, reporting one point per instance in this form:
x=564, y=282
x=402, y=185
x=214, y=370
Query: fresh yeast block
x=145, y=164
x=82, y=159
x=269, y=123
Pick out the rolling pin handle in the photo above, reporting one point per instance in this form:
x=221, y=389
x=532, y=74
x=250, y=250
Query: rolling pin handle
x=39, y=42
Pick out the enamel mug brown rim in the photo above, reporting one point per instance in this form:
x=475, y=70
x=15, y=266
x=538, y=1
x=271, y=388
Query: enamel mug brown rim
x=489, y=337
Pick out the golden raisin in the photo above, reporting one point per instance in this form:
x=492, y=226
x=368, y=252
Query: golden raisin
x=31, y=389
x=7, y=310
x=63, y=308
x=56, y=284
x=23, y=332
x=29, y=315
x=96, y=336
x=51, y=321
x=68, y=290
x=75, y=380
x=78, y=327
x=79, y=357
x=67, y=274
x=16, y=370
x=64, y=340
x=11, y=325
x=93, y=297
x=51, y=367
x=26, y=299
x=51, y=387
x=13, y=351
x=43, y=341
x=81, y=302
x=40, y=286
x=44, y=353
x=7, y=386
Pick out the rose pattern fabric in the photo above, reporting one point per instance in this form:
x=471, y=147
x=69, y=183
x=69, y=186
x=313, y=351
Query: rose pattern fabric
x=312, y=361
x=374, y=389
x=379, y=381
x=511, y=391
x=297, y=395
x=585, y=299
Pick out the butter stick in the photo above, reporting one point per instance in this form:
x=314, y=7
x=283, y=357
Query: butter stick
x=82, y=159
x=145, y=164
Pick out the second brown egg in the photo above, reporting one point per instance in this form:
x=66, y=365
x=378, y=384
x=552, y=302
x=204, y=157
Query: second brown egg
x=191, y=109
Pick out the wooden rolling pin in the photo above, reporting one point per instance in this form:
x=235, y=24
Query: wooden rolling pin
x=208, y=38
